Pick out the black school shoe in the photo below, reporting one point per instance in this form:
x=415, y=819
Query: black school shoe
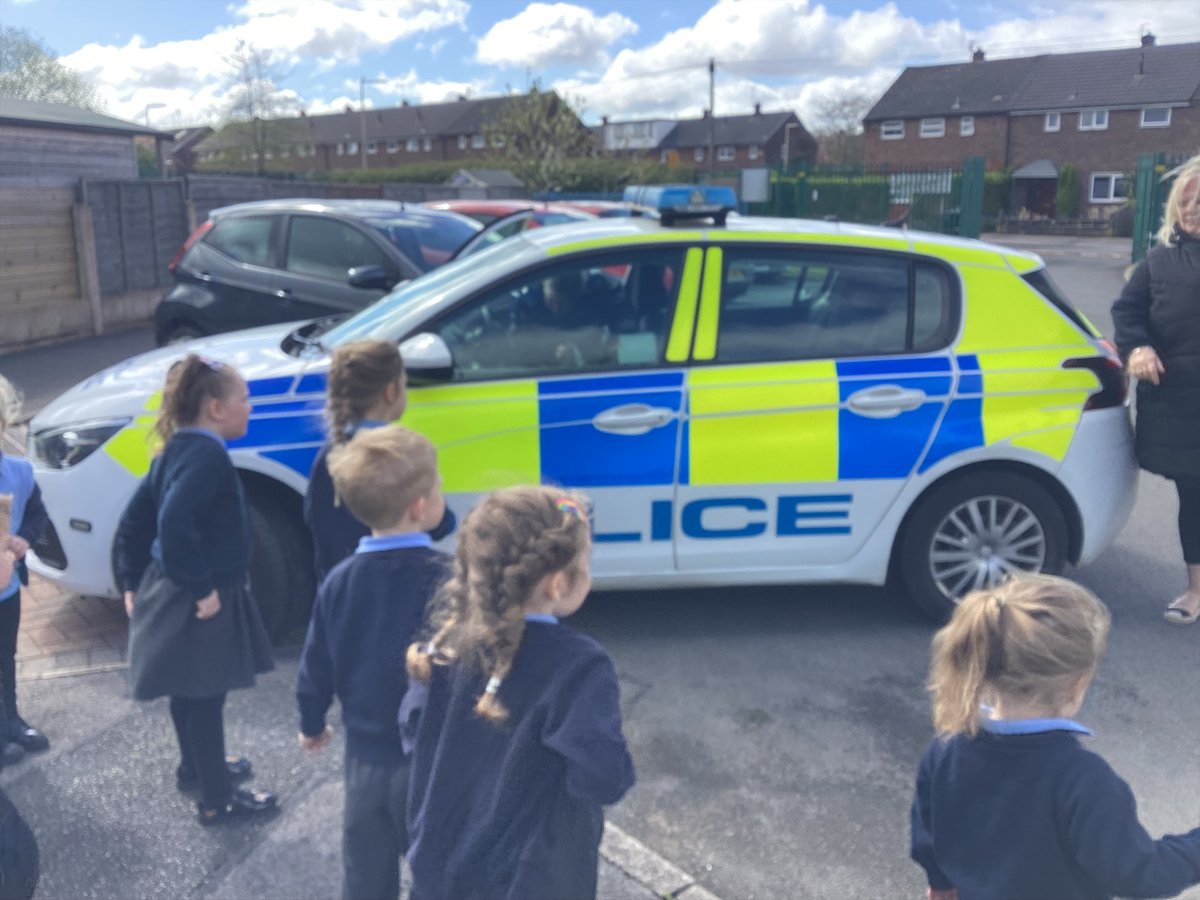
x=242, y=804
x=10, y=753
x=238, y=767
x=27, y=737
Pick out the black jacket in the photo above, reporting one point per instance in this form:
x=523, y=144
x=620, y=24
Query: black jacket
x=1160, y=308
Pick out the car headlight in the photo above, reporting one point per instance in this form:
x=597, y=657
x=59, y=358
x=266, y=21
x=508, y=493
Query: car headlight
x=61, y=448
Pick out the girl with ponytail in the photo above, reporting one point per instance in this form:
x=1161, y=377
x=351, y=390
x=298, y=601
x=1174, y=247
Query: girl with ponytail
x=1008, y=801
x=512, y=719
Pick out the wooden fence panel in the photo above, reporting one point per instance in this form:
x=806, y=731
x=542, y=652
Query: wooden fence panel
x=138, y=225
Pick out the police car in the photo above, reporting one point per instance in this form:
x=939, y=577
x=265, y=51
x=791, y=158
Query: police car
x=745, y=400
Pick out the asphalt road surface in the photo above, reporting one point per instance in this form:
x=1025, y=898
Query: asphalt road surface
x=776, y=731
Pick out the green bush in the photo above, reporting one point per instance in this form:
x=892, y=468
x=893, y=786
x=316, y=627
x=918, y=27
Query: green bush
x=1066, y=198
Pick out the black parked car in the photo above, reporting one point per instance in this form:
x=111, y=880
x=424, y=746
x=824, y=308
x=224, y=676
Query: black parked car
x=286, y=260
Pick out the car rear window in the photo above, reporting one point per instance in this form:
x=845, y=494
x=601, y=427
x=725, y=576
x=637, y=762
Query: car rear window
x=1041, y=282
x=426, y=241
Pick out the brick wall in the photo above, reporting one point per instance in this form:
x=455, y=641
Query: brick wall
x=951, y=150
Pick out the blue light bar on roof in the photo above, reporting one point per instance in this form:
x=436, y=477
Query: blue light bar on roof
x=673, y=202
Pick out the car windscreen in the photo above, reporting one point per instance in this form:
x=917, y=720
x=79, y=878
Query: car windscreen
x=428, y=241
x=559, y=218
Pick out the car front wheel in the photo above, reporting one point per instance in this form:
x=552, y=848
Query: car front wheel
x=280, y=567
x=973, y=532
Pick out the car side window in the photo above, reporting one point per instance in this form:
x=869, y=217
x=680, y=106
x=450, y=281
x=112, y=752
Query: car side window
x=815, y=304
x=610, y=312
x=327, y=248
x=244, y=238
x=933, y=307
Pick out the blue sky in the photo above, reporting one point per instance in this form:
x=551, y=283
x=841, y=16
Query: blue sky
x=620, y=58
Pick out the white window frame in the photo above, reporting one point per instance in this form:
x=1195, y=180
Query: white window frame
x=663, y=155
x=753, y=151
x=412, y=145
x=393, y=146
x=352, y=148
x=892, y=130
x=1092, y=118
x=462, y=142
x=427, y=145
x=372, y=148
x=1166, y=123
x=1052, y=122
x=933, y=128
x=1112, y=187
x=726, y=153
x=698, y=154
x=478, y=142
x=341, y=151
x=966, y=126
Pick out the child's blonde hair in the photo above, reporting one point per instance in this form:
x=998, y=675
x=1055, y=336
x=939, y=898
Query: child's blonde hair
x=512, y=540
x=359, y=373
x=190, y=382
x=381, y=472
x=1172, y=211
x=10, y=404
x=1030, y=639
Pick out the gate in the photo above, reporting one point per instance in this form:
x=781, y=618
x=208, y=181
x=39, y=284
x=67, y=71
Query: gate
x=1155, y=174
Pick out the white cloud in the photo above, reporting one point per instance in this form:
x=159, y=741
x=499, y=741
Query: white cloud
x=553, y=34
x=193, y=75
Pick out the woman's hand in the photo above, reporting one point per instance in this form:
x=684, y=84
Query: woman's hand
x=1144, y=365
x=129, y=604
x=207, y=607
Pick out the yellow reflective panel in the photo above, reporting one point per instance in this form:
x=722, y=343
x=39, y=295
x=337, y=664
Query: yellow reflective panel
x=710, y=306
x=134, y=446
x=979, y=256
x=486, y=434
x=1022, y=264
x=1053, y=441
x=760, y=424
x=1001, y=311
x=636, y=240
x=680, y=340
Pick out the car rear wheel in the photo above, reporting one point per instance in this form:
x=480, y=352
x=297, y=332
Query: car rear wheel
x=281, y=580
x=973, y=532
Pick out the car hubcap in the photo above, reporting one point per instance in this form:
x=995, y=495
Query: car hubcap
x=984, y=540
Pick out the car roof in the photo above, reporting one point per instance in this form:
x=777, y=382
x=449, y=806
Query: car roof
x=498, y=206
x=765, y=228
x=358, y=209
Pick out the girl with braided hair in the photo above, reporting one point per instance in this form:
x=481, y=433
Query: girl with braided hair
x=513, y=720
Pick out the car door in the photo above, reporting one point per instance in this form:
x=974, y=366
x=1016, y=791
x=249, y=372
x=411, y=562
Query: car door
x=318, y=254
x=235, y=263
x=819, y=376
x=588, y=399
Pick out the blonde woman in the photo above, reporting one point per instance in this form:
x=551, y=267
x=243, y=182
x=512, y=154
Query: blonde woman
x=1157, y=319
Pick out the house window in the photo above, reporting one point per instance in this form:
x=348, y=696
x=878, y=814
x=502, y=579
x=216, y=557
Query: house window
x=477, y=142
x=285, y=152
x=393, y=146
x=726, y=154
x=698, y=154
x=663, y=156
x=1108, y=187
x=892, y=131
x=933, y=128
x=312, y=149
x=412, y=145
x=352, y=148
x=754, y=151
x=966, y=126
x=341, y=150
x=1052, y=122
x=372, y=148
x=1093, y=120
x=427, y=144
x=462, y=142
x=1156, y=117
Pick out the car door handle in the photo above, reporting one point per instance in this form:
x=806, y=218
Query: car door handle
x=633, y=419
x=204, y=276
x=284, y=294
x=885, y=401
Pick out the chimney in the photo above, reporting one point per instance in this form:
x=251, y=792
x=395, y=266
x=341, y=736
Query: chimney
x=604, y=120
x=462, y=97
x=758, y=109
x=977, y=55
x=1148, y=39
x=349, y=108
x=303, y=114
x=707, y=113
x=404, y=103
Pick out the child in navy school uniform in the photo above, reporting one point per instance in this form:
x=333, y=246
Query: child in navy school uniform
x=182, y=556
x=1008, y=802
x=27, y=521
x=366, y=389
x=512, y=719
x=367, y=611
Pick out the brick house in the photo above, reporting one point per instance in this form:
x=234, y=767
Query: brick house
x=1096, y=110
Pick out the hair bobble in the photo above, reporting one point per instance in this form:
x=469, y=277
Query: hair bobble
x=571, y=508
x=213, y=365
x=999, y=600
x=493, y=686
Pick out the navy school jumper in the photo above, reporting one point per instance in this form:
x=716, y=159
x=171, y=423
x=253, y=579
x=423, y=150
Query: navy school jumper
x=1024, y=811
x=514, y=811
x=367, y=612
x=335, y=530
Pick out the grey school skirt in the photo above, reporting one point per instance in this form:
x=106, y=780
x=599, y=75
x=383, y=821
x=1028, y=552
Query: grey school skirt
x=174, y=654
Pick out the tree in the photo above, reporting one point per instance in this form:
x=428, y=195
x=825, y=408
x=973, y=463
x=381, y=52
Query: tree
x=258, y=125
x=29, y=71
x=535, y=134
x=837, y=125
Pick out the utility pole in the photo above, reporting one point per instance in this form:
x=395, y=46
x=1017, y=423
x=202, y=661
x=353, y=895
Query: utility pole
x=712, y=112
x=363, y=81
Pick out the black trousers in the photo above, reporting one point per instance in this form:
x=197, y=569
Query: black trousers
x=1189, y=517
x=374, y=833
x=10, y=623
x=200, y=727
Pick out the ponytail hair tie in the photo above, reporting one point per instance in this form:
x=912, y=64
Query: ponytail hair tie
x=493, y=686
x=999, y=600
x=431, y=649
x=571, y=508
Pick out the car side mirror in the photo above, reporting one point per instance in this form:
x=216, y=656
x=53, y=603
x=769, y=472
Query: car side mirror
x=427, y=358
x=374, y=278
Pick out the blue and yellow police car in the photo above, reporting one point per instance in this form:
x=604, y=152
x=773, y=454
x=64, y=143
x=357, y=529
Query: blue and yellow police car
x=745, y=400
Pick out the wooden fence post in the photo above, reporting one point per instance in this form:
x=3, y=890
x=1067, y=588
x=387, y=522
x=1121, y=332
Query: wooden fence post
x=85, y=263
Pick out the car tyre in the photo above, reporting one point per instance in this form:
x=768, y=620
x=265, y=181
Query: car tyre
x=281, y=580
x=974, y=530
